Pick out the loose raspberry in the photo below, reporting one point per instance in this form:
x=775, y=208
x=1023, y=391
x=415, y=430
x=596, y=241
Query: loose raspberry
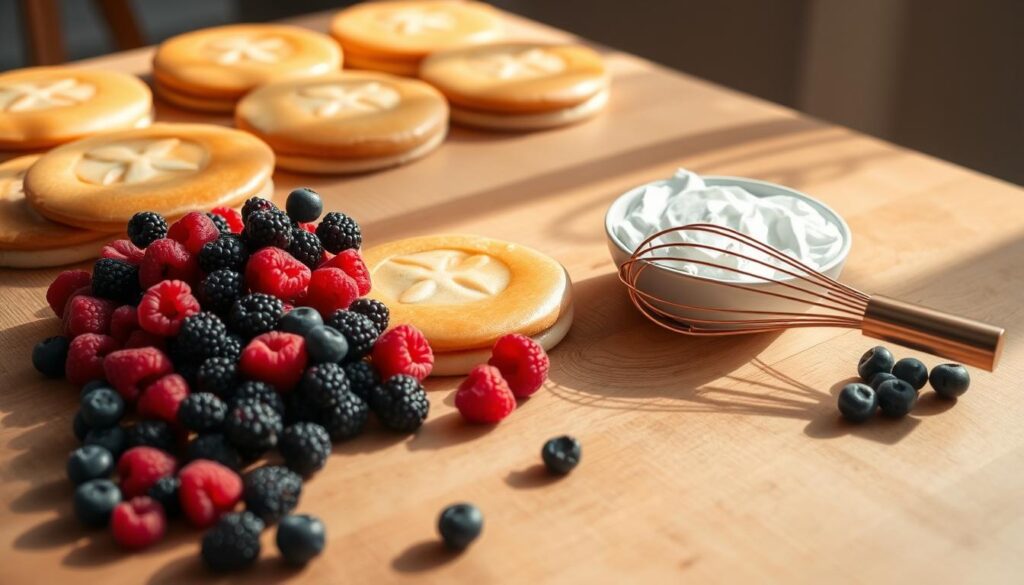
x=85, y=357
x=165, y=305
x=60, y=289
x=141, y=467
x=308, y=226
x=162, y=398
x=403, y=350
x=232, y=216
x=523, y=363
x=166, y=259
x=140, y=338
x=276, y=272
x=123, y=321
x=131, y=370
x=123, y=250
x=352, y=263
x=193, y=230
x=484, y=396
x=85, y=314
x=331, y=289
x=138, y=523
x=208, y=490
x=276, y=358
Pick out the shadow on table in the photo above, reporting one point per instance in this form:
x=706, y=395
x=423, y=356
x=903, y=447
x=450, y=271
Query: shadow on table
x=423, y=556
x=187, y=569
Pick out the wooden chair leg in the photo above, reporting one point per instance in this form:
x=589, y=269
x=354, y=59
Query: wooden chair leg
x=121, y=21
x=42, y=26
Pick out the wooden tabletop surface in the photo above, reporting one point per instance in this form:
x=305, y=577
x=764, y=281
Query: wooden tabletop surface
x=717, y=460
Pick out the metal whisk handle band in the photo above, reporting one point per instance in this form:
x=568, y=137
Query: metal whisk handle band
x=956, y=338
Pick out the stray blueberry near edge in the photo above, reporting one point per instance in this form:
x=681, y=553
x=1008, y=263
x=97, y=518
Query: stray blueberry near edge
x=561, y=454
x=950, y=380
x=460, y=525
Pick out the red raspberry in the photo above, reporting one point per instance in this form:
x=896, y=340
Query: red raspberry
x=232, y=216
x=63, y=286
x=403, y=350
x=276, y=272
x=138, y=523
x=523, y=363
x=352, y=263
x=309, y=226
x=123, y=321
x=484, y=396
x=140, y=338
x=131, y=370
x=325, y=257
x=141, y=467
x=166, y=259
x=276, y=358
x=193, y=230
x=208, y=490
x=85, y=357
x=331, y=289
x=165, y=305
x=123, y=250
x=85, y=314
x=162, y=398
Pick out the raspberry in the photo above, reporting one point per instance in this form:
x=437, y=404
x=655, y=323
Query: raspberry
x=346, y=415
x=522, y=362
x=220, y=289
x=202, y=412
x=484, y=396
x=306, y=247
x=275, y=358
x=86, y=314
x=145, y=227
x=363, y=377
x=152, y=433
x=167, y=259
x=255, y=314
x=331, y=289
x=225, y=252
x=116, y=280
x=123, y=250
x=231, y=216
x=140, y=338
x=215, y=447
x=256, y=391
x=323, y=383
x=253, y=427
x=208, y=490
x=123, y=321
x=220, y=222
x=268, y=228
x=339, y=232
x=140, y=467
x=234, y=543
x=165, y=306
x=193, y=230
x=351, y=262
x=218, y=376
x=403, y=350
x=276, y=272
x=271, y=492
x=305, y=447
x=256, y=204
x=162, y=399
x=130, y=370
x=359, y=331
x=138, y=523
x=308, y=226
x=201, y=336
x=400, y=403
x=86, y=354
x=60, y=290
x=377, y=312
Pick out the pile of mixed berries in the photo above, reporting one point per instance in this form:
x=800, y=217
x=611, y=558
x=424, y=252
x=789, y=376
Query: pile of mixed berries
x=204, y=345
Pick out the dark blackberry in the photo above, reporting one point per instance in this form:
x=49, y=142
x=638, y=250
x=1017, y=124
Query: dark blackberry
x=260, y=392
x=232, y=347
x=306, y=247
x=202, y=412
x=271, y=492
x=152, y=433
x=305, y=447
x=201, y=337
x=298, y=409
x=218, y=375
x=116, y=280
x=255, y=314
x=304, y=204
x=215, y=447
x=377, y=312
x=145, y=227
x=227, y=251
x=165, y=491
x=268, y=228
x=220, y=289
x=253, y=427
x=233, y=543
x=401, y=403
x=363, y=377
x=358, y=329
x=220, y=222
x=323, y=383
x=187, y=370
x=345, y=417
x=338, y=232
x=256, y=204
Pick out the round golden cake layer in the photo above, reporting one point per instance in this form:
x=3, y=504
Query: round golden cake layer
x=44, y=106
x=100, y=182
x=465, y=292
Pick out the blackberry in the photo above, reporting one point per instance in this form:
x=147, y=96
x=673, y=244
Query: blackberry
x=152, y=433
x=305, y=447
x=145, y=227
x=323, y=383
x=268, y=228
x=233, y=543
x=345, y=417
x=232, y=347
x=298, y=409
x=220, y=289
x=306, y=247
x=220, y=222
x=253, y=427
x=338, y=232
x=254, y=390
x=256, y=204
x=202, y=412
x=358, y=329
x=165, y=491
x=201, y=336
x=401, y=403
x=363, y=377
x=227, y=251
x=50, y=355
x=304, y=204
x=217, y=375
x=377, y=312
x=215, y=447
x=271, y=492
x=116, y=280
x=187, y=370
x=255, y=314
x=114, y=439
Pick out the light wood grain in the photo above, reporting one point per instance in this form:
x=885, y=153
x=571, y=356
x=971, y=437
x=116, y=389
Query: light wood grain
x=718, y=461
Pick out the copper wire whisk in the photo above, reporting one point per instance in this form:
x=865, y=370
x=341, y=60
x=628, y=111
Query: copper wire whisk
x=790, y=294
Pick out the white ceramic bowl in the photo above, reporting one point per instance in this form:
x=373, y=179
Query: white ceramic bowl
x=666, y=282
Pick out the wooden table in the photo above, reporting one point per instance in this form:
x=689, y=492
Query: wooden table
x=704, y=460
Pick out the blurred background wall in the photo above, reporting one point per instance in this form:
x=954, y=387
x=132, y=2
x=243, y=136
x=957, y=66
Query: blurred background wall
x=942, y=76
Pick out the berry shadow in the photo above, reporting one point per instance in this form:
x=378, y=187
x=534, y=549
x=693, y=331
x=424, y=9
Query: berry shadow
x=423, y=556
x=446, y=430
x=43, y=496
x=54, y=532
x=878, y=428
x=269, y=568
x=532, y=477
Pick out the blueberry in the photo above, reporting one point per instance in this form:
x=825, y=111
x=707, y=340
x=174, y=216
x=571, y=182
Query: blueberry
x=880, y=377
x=113, y=439
x=326, y=345
x=561, y=454
x=875, y=360
x=300, y=320
x=950, y=380
x=304, y=205
x=460, y=525
x=49, y=356
x=89, y=462
x=858, y=402
x=911, y=371
x=300, y=538
x=102, y=408
x=165, y=491
x=80, y=427
x=896, y=398
x=95, y=500
x=92, y=385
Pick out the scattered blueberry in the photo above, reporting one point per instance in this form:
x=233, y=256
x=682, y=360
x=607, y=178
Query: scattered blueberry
x=89, y=462
x=300, y=538
x=911, y=371
x=304, y=205
x=561, y=454
x=880, y=377
x=49, y=356
x=858, y=402
x=950, y=380
x=113, y=439
x=460, y=525
x=326, y=345
x=95, y=500
x=102, y=408
x=875, y=360
x=300, y=321
x=92, y=385
x=896, y=398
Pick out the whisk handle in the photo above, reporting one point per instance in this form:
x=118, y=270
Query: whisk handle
x=956, y=338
